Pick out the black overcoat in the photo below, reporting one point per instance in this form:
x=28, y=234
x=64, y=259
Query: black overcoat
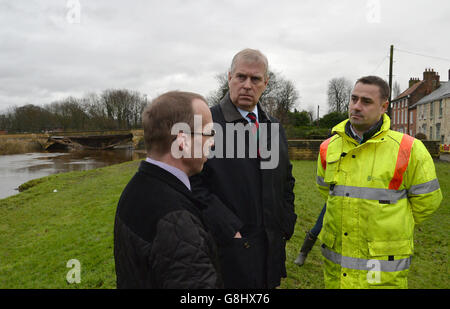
x=259, y=203
x=160, y=240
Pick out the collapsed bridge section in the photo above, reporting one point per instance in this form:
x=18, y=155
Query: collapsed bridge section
x=98, y=142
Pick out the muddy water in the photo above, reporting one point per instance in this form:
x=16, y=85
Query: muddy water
x=18, y=169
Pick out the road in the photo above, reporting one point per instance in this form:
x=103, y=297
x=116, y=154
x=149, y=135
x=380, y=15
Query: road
x=445, y=157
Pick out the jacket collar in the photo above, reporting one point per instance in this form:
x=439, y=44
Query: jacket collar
x=166, y=177
x=383, y=126
x=231, y=114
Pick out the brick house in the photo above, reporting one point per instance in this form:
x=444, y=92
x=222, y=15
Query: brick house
x=433, y=114
x=403, y=112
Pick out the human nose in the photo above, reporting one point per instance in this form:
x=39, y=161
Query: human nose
x=356, y=104
x=247, y=83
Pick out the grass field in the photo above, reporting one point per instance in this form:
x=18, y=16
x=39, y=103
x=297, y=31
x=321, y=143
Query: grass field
x=41, y=230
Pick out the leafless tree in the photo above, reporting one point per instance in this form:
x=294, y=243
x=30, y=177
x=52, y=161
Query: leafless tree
x=112, y=109
x=339, y=90
x=123, y=106
x=286, y=97
x=311, y=110
x=396, y=90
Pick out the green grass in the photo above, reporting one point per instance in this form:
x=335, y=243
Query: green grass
x=41, y=230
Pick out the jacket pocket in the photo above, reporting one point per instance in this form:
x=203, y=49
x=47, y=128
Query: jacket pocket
x=384, y=248
x=332, y=167
x=327, y=238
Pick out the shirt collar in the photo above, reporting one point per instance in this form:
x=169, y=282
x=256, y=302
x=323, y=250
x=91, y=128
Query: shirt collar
x=355, y=135
x=173, y=170
x=366, y=135
x=244, y=113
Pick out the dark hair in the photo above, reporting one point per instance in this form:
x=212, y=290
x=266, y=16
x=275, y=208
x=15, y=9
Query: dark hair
x=162, y=114
x=377, y=81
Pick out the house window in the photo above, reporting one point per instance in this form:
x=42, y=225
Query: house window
x=431, y=133
x=440, y=108
x=438, y=130
x=431, y=110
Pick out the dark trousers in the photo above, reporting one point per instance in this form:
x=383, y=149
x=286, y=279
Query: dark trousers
x=318, y=226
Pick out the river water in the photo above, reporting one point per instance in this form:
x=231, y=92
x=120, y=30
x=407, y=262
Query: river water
x=20, y=168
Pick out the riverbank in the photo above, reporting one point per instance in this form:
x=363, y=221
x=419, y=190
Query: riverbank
x=25, y=143
x=22, y=143
x=16, y=169
x=71, y=216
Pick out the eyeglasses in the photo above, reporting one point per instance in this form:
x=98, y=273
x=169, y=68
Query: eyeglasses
x=211, y=133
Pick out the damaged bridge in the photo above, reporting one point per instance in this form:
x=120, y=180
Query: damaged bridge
x=96, y=141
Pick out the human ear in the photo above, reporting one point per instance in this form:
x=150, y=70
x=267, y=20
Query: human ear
x=384, y=106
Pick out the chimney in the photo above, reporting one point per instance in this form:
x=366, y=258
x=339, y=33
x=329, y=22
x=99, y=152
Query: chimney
x=449, y=75
x=413, y=80
x=431, y=79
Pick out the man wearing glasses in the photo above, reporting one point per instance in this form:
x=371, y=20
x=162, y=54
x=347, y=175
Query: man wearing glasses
x=160, y=240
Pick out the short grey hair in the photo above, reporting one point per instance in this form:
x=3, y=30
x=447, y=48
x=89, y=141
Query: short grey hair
x=250, y=55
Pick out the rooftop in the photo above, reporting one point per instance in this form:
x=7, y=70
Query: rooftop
x=408, y=91
x=441, y=93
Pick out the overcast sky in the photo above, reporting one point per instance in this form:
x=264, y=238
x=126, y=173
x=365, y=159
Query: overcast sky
x=53, y=49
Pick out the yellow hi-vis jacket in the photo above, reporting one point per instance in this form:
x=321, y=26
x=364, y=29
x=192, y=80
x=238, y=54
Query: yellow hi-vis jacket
x=376, y=192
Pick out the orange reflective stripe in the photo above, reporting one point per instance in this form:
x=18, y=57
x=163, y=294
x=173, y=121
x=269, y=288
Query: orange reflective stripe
x=404, y=153
x=323, y=153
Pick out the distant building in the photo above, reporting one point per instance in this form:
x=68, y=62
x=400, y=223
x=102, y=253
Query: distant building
x=433, y=114
x=403, y=114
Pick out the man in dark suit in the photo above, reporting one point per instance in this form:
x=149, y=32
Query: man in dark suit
x=250, y=197
x=160, y=240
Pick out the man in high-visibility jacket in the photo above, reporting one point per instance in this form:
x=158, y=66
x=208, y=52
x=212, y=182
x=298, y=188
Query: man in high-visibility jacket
x=378, y=184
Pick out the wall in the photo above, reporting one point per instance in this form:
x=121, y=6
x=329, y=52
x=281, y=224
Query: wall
x=445, y=126
x=434, y=119
x=309, y=149
x=304, y=149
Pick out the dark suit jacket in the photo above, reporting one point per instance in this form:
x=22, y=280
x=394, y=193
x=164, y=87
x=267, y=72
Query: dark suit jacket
x=257, y=202
x=159, y=238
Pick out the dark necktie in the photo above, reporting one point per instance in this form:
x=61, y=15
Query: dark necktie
x=255, y=128
x=252, y=118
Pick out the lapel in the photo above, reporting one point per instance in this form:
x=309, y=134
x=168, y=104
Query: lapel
x=229, y=111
